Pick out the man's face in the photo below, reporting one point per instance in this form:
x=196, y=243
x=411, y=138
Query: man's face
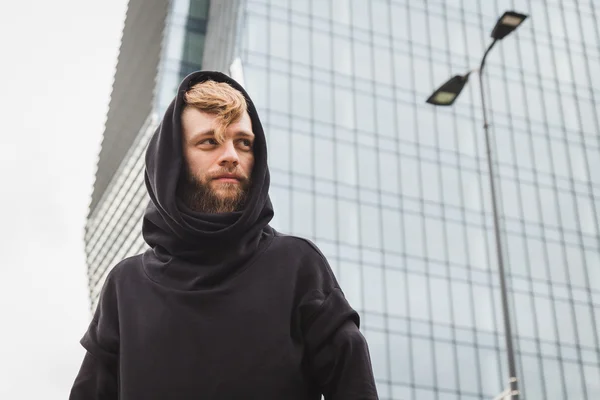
x=217, y=178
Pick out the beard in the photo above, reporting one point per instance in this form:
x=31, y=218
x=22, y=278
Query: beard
x=206, y=195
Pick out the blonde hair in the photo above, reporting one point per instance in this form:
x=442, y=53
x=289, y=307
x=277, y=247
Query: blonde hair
x=220, y=99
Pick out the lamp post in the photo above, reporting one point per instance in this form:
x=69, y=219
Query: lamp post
x=445, y=95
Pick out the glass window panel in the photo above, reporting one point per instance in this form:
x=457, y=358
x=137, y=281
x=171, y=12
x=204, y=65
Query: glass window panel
x=573, y=380
x=279, y=39
x=585, y=325
x=302, y=153
x=367, y=168
x=445, y=362
x=517, y=257
x=418, y=296
x=538, y=260
x=593, y=259
x=279, y=149
x=555, y=258
x=396, y=292
x=388, y=167
x=346, y=163
x=325, y=218
x=409, y=177
x=451, y=185
x=255, y=80
x=199, y=9
x=426, y=394
x=362, y=60
x=422, y=361
x=383, y=65
x=455, y=235
x=532, y=379
x=194, y=48
x=576, y=267
x=323, y=158
x=303, y=214
x=467, y=369
x=401, y=392
x=301, y=7
x=385, y=119
x=366, y=118
x=441, y=300
x=413, y=225
x=462, y=304
x=427, y=130
x=592, y=380
x=472, y=190
x=370, y=226
x=392, y=233
x=321, y=50
x=559, y=156
x=342, y=60
x=373, y=284
x=350, y=279
x=482, y=305
x=344, y=108
x=566, y=331
x=445, y=396
x=399, y=359
x=577, y=155
x=257, y=32
x=529, y=202
x=436, y=238
x=301, y=98
x=477, y=248
x=430, y=178
x=322, y=96
x=548, y=202
x=524, y=315
x=490, y=375
x=321, y=9
x=511, y=206
x=587, y=219
x=348, y=222
x=300, y=44
x=279, y=100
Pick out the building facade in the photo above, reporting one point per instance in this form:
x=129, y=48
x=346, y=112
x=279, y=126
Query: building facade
x=394, y=191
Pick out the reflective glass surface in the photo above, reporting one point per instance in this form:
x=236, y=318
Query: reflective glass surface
x=396, y=192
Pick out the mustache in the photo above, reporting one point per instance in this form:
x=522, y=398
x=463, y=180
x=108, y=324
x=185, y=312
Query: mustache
x=235, y=174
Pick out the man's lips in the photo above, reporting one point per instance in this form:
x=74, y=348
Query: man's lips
x=227, y=178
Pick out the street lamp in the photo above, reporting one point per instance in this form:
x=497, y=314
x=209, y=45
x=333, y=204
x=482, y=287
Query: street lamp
x=445, y=96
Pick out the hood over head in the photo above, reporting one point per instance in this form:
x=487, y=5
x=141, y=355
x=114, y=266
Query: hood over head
x=189, y=249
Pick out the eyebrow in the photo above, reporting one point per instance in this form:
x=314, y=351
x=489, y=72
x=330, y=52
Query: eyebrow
x=211, y=132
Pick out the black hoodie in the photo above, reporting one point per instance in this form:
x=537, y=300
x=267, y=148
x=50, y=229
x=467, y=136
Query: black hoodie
x=221, y=306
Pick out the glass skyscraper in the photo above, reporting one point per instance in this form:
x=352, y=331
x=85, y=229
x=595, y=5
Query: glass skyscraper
x=394, y=191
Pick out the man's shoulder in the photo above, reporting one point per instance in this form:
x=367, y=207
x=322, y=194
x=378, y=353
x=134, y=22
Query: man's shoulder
x=312, y=270
x=298, y=246
x=125, y=268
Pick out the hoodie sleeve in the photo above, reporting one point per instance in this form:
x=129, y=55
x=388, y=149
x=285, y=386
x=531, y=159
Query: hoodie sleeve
x=337, y=354
x=95, y=381
x=98, y=376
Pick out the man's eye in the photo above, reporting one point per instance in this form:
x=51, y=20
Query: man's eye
x=246, y=142
x=211, y=142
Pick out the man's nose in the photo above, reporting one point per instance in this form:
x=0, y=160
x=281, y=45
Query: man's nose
x=229, y=155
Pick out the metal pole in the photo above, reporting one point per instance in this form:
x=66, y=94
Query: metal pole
x=512, y=371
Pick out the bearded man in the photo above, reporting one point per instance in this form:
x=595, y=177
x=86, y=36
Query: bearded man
x=221, y=306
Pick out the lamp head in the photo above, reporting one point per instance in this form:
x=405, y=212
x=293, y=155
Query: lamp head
x=507, y=23
x=449, y=91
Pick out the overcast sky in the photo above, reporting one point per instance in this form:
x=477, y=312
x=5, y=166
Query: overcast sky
x=58, y=61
